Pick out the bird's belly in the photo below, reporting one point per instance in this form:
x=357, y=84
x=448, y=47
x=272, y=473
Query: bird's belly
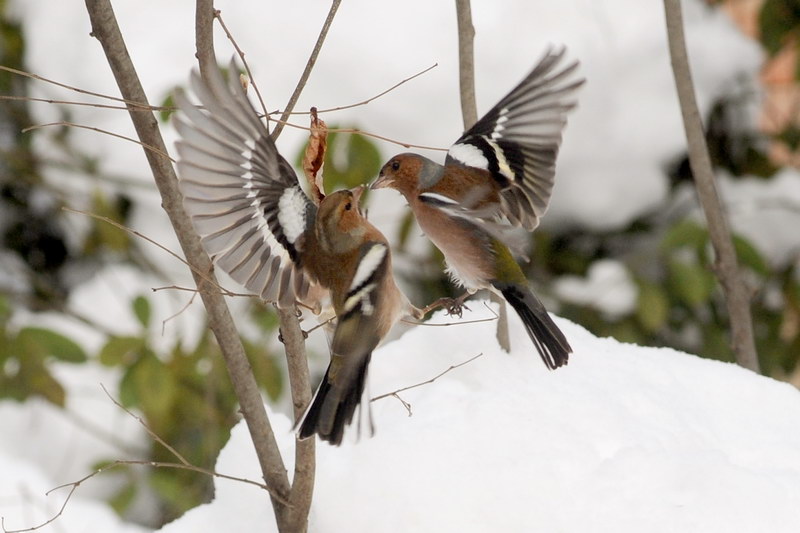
x=465, y=251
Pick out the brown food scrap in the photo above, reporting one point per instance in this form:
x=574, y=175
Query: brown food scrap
x=315, y=156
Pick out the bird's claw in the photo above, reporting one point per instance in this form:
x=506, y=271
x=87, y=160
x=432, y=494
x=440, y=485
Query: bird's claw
x=452, y=306
x=455, y=307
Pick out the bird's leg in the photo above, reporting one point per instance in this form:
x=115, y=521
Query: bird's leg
x=453, y=306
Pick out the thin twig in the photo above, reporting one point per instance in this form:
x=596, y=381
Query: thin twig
x=223, y=291
x=60, y=102
x=240, y=52
x=179, y=313
x=403, y=403
x=365, y=133
x=129, y=103
x=737, y=293
x=150, y=432
x=307, y=71
x=106, y=132
x=368, y=100
x=428, y=381
x=321, y=324
x=127, y=462
x=116, y=224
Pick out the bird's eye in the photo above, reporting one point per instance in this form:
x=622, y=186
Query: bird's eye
x=348, y=206
x=395, y=164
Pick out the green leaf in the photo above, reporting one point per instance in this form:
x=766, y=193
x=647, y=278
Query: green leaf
x=141, y=308
x=652, y=307
x=155, y=386
x=685, y=233
x=265, y=317
x=104, y=234
x=5, y=309
x=148, y=385
x=791, y=136
x=265, y=369
x=121, y=350
x=44, y=384
x=53, y=344
x=167, y=486
x=122, y=500
x=128, y=391
x=749, y=256
x=777, y=21
x=168, y=102
x=692, y=283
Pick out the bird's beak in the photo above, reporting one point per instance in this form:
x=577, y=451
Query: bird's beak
x=381, y=182
x=357, y=192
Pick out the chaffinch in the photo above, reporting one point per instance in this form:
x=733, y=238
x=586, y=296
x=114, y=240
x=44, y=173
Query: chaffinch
x=497, y=175
x=258, y=225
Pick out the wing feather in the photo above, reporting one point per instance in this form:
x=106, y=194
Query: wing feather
x=518, y=140
x=242, y=196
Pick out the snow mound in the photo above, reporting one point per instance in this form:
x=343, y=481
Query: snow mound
x=624, y=438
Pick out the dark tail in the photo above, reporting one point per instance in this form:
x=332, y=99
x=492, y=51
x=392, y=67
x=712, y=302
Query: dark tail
x=332, y=410
x=548, y=339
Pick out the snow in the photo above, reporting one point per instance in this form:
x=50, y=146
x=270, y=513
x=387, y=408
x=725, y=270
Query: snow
x=607, y=287
x=622, y=439
x=23, y=503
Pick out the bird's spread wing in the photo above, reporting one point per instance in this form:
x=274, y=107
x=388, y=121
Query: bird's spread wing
x=242, y=196
x=517, y=141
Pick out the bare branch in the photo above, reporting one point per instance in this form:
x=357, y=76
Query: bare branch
x=177, y=314
x=459, y=323
x=737, y=293
x=426, y=382
x=150, y=432
x=469, y=113
x=466, y=63
x=239, y=51
x=307, y=71
x=209, y=279
x=300, y=384
x=128, y=103
x=365, y=133
x=98, y=130
x=106, y=30
x=60, y=102
x=368, y=100
x=154, y=464
x=204, y=36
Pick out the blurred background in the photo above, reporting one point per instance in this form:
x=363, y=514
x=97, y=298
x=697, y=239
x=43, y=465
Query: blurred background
x=623, y=250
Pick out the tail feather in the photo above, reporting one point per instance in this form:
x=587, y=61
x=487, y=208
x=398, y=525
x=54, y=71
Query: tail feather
x=332, y=410
x=548, y=339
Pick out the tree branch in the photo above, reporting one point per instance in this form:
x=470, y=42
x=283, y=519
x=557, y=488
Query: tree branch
x=106, y=30
x=291, y=517
x=307, y=71
x=469, y=113
x=466, y=63
x=737, y=294
x=204, y=36
x=300, y=384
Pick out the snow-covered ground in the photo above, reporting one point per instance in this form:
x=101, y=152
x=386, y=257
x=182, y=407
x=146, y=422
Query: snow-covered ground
x=623, y=439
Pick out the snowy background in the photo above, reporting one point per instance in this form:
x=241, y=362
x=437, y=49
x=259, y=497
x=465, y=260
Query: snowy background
x=623, y=439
